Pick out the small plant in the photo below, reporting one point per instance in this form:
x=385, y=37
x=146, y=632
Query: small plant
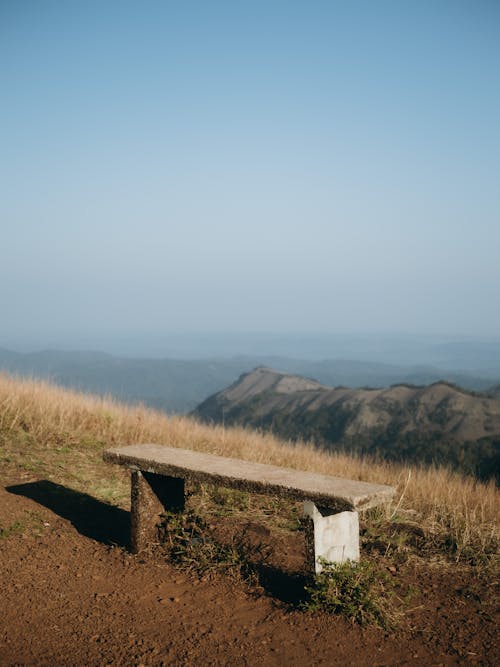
x=16, y=527
x=394, y=538
x=355, y=590
x=190, y=542
x=229, y=500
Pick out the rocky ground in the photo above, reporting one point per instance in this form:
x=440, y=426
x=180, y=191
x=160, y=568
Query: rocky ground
x=72, y=594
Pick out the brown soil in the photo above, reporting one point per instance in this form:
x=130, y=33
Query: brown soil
x=73, y=595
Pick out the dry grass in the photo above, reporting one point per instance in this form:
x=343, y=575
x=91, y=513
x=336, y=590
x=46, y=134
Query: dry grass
x=60, y=434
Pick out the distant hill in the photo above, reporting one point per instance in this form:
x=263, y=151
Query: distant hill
x=171, y=385
x=494, y=391
x=438, y=423
x=178, y=386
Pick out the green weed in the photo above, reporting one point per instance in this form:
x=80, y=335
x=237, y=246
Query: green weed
x=358, y=591
x=16, y=528
x=230, y=500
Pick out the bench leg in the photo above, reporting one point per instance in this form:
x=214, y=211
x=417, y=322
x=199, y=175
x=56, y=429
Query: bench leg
x=151, y=496
x=331, y=536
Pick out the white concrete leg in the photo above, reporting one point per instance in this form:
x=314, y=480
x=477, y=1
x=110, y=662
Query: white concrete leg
x=336, y=536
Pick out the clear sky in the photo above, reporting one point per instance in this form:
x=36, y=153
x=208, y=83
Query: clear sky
x=249, y=166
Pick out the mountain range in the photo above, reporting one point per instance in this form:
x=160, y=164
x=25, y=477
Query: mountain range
x=438, y=423
x=178, y=386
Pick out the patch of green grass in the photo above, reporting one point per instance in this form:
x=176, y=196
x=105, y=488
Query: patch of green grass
x=15, y=528
x=358, y=591
x=230, y=500
x=281, y=512
x=30, y=523
x=477, y=556
x=90, y=441
x=292, y=519
x=34, y=466
x=392, y=538
x=401, y=538
x=109, y=494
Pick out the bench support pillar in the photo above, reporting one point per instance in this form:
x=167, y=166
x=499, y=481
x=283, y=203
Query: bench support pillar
x=331, y=536
x=151, y=496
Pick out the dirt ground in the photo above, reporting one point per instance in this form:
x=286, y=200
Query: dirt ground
x=72, y=594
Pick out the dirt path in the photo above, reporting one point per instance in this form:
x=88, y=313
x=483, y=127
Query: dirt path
x=69, y=598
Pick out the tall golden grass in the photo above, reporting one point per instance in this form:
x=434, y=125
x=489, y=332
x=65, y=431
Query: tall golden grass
x=60, y=434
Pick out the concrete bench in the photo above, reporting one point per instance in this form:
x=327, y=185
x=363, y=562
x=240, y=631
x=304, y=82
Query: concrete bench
x=331, y=504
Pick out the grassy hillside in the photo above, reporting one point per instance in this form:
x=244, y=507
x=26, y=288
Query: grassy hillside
x=59, y=435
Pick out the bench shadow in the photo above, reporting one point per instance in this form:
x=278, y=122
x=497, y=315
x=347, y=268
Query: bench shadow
x=110, y=525
x=288, y=587
x=92, y=518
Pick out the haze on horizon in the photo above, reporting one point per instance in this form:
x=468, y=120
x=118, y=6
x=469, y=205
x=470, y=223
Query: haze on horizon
x=249, y=167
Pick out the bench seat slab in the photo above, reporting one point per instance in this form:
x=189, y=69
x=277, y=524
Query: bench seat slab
x=325, y=491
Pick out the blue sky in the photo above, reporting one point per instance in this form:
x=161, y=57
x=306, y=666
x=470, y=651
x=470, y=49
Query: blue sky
x=249, y=166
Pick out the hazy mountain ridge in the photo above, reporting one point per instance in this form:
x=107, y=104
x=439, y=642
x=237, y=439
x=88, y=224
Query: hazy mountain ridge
x=438, y=423
x=494, y=391
x=171, y=385
x=176, y=385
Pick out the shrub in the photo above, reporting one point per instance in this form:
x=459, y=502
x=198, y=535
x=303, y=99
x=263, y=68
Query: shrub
x=357, y=591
